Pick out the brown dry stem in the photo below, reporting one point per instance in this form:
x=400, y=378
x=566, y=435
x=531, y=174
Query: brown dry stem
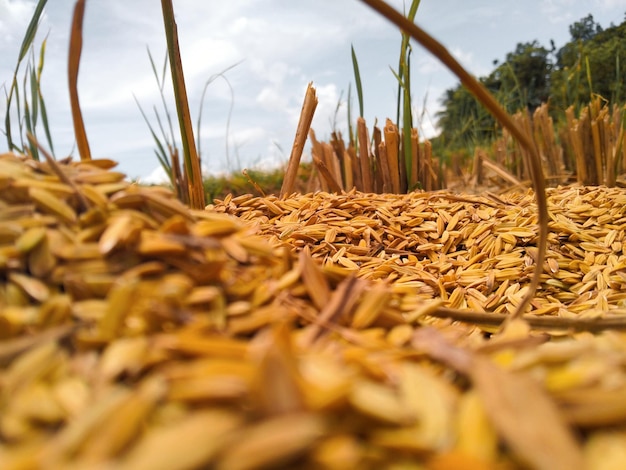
x=304, y=124
x=481, y=93
x=76, y=47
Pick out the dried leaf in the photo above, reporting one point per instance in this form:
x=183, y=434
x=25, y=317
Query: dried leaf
x=519, y=409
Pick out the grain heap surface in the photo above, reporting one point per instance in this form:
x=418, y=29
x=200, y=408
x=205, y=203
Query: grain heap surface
x=471, y=252
x=299, y=333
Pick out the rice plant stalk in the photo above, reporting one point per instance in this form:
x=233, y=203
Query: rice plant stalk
x=619, y=150
x=404, y=51
x=404, y=97
x=392, y=151
x=76, y=47
x=193, y=173
x=364, y=155
x=304, y=124
x=351, y=138
x=483, y=95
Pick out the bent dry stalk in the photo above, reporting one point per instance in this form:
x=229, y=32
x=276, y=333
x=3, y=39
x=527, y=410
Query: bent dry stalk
x=481, y=93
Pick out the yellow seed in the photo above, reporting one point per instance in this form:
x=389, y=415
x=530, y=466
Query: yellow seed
x=272, y=442
x=115, y=234
x=379, y=402
x=41, y=261
x=30, y=239
x=157, y=244
x=52, y=204
x=190, y=442
x=371, y=306
x=35, y=288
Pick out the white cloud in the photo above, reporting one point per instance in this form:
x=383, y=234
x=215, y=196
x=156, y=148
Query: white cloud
x=327, y=99
x=205, y=55
x=468, y=61
x=274, y=72
x=272, y=99
x=245, y=135
x=14, y=16
x=427, y=64
x=557, y=11
x=608, y=4
x=283, y=46
x=156, y=176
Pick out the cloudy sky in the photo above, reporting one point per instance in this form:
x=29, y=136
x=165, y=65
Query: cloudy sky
x=279, y=46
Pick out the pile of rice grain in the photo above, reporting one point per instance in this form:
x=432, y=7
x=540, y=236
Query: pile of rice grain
x=267, y=333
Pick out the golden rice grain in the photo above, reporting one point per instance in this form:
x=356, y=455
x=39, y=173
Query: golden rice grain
x=269, y=332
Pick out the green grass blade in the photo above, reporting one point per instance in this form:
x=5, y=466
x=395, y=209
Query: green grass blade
x=161, y=84
x=407, y=121
x=616, y=93
x=165, y=163
x=44, y=122
x=29, y=37
x=167, y=142
x=154, y=70
x=40, y=99
x=407, y=116
x=31, y=31
x=357, y=80
x=7, y=116
x=34, y=151
x=160, y=151
x=167, y=139
x=34, y=96
x=589, y=82
x=404, y=46
x=20, y=120
x=350, y=127
x=404, y=94
x=42, y=55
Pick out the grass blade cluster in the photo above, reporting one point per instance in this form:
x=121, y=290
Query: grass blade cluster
x=404, y=97
x=165, y=144
x=28, y=100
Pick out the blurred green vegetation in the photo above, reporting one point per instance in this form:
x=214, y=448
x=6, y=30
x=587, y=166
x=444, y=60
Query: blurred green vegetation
x=591, y=63
x=243, y=182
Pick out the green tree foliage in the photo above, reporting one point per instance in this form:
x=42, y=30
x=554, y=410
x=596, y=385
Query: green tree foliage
x=462, y=119
x=522, y=81
x=585, y=29
x=525, y=76
x=592, y=62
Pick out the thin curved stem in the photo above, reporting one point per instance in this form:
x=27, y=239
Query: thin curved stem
x=489, y=102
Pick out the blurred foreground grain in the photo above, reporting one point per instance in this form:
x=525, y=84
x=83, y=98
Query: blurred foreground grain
x=304, y=332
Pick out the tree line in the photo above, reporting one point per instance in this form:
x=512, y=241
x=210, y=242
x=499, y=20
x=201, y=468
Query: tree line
x=592, y=62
